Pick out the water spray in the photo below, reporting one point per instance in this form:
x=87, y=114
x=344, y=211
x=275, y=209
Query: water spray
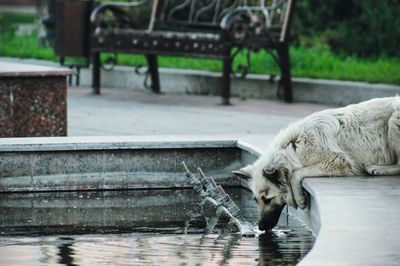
x=214, y=195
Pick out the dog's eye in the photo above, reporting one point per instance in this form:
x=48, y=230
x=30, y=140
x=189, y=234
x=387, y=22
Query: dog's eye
x=294, y=145
x=265, y=200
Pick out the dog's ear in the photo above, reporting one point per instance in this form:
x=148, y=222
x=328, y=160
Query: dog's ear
x=271, y=173
x=243, y=173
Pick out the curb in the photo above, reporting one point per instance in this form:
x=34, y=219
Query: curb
x=329, y=92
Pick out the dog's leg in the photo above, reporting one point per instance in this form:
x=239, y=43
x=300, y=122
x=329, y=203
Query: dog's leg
x=394, y=145
x=297, y=178
x=317, y=170
x=298, y=193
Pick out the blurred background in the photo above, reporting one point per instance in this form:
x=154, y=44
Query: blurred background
x=331, y=39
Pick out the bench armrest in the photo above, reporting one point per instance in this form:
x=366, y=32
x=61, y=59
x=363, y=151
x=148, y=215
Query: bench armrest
x=244, y=22
x=117, y=8
x=257, y=21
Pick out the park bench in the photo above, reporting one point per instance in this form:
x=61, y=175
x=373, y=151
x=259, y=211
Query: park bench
x=213, y=29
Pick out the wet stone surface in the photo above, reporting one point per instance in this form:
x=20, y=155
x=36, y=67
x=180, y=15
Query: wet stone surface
x=147, y=227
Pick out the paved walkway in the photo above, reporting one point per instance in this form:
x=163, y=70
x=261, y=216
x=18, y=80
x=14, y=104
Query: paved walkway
x=126, y=112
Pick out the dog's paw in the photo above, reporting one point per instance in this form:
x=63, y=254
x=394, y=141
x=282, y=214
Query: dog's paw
x=302, y=206
x=375, y=170
x=301, y=201
x=393, y=169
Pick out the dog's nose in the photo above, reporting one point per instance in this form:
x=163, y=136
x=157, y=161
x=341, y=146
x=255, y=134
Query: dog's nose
x=263, y=226
x=269, y=220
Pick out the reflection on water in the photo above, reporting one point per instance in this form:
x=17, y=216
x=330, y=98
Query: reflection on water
x=153, y=249
x=66, y=251
x=135, y=228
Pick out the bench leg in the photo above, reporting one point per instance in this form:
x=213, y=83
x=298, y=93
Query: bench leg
x=154, y=75
x=226, y=81
x=96, y=72
x=285, y=87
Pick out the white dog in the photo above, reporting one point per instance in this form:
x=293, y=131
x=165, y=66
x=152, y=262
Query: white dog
x=358, y=139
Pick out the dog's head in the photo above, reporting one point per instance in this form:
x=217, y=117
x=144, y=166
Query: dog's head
x=268, y=180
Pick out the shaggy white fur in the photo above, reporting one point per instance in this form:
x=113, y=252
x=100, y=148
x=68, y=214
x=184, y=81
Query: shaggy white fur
x=353, y=140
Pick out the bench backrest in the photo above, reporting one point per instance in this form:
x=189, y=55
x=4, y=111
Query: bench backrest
x=208, y=14
x=194, y=12
x=274, y=16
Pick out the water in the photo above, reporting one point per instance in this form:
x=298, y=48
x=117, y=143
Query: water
x=149, y=227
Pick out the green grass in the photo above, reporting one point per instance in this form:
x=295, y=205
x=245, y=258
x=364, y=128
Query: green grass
x=311, y=62
x=24, y=47
x=306, y=62
x=8, y=19
x=322, y=63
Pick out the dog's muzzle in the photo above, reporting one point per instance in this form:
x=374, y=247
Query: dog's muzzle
x=269, y=220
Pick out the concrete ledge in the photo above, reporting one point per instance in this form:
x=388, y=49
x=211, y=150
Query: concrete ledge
x=69, y=164
x=331, y=92
x=112, y=143
x=33, y=100
x=359, y=220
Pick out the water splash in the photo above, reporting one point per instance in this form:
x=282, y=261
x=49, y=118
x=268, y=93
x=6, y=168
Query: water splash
x=217, y=204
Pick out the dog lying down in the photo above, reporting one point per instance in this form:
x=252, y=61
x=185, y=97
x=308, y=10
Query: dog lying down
x=357, y=139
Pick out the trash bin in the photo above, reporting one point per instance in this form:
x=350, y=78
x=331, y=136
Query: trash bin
x=72, y=34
